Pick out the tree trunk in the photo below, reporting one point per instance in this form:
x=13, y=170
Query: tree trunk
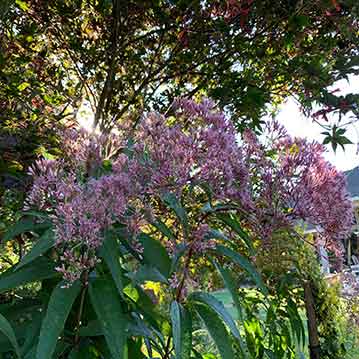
x=314, y=347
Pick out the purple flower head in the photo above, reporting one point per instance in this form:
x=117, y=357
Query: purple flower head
x=86, y=150
x=273, y=183
x=201, y=146
x=291, y=181
x=200, y=242
x=46, y=176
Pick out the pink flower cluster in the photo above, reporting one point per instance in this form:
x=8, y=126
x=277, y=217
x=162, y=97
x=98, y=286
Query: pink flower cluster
x=200, y=146
x=85, y=151
x=83, y=217
x=81, y=207
x=273, y=184
x=46, y=175
x=200, y=242
x=291, y=181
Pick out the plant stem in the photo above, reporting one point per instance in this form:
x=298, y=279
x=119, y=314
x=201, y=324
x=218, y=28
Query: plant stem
x=81, y=308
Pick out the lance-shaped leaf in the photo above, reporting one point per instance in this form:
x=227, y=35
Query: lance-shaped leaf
x=216, y=329
x=155, y=254
x=22, y=226
x=6, y=328
x=164, y=229
x=32, y=333
x=231, y=286
x=147, y=273
x=110, y=253
x=37, y=270
x=106, y=302
x=92, y=329
x=296, y=322
x=42, y=245
x=245, y=264
x=181, y=330
x=219, y=308
x=58, y=309
x=172, y=201
x=232, y=222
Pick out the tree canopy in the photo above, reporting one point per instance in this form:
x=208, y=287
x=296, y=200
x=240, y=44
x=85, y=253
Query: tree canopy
x=124, y=58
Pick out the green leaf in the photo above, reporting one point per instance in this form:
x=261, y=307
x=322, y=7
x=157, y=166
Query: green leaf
x=42, y=245
x=232, y=287
x=58, y=309
x=22, y=5
x=31, y=354
x=32, y=333
x=110, y=253
x=125, y=247
x=171, y=201
x=180, y=250
x=37, y=270
x=6, y=328
x=342, y=140
x=106, y=302
x=196, y=354
x=232, y=222
x=164, y=229
x=181, y=330
x=36, y=214
x=341, y=131
x=219, y=308
x=23, y=226
x=296, y=322
x=302, y=20
x=150, y=335
x=216, y=329
x=148, y=273
x=16, y=309
x=134, y=349
x=144, y=305
x=245, y=264
x=334, y=146
x=92, y=329
x=155, y=254
x=23, y=85
x=327, y=140
x=216, y=234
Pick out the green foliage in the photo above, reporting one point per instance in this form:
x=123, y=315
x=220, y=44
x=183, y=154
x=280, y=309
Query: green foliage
x=6, y=328
x=41, y=246
x=155, y=254
x=105, y=300
x=182, y=330
x=109, y=252
x=124, y=58
x=245, y=264
x=58, y=309
x=336, y=137
x=37, y=270
x=332, y=319
x=216, y=329
x=292, y=262
x=110, y=313
x=112, y=306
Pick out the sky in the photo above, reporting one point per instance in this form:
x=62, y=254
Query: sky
x=300, y=126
